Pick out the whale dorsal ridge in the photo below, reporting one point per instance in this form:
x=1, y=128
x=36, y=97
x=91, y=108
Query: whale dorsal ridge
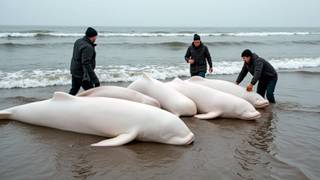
x=178, y=80
x=61, y=96
x=196, y=78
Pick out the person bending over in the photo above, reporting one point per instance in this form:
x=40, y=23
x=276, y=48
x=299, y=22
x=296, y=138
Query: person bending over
x=262, y=71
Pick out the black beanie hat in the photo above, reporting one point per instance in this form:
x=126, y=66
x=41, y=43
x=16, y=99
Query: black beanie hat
x=91, y=32
x=246, y=53
x=196, y=37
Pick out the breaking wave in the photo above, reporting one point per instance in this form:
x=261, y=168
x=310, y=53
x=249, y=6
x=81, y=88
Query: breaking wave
x=168, y=44
x=31, y=34
x=128, y=73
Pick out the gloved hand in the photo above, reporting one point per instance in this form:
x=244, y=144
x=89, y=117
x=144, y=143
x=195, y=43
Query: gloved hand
x=96, y=83
x=249, y=87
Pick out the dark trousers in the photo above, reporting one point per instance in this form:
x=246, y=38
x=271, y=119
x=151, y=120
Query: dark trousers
x=200, y=73
x=77, y=83
x=268, y=86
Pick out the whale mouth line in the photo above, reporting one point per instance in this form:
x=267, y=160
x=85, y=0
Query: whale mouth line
x=255, y=117
x=265, y=104
x=190, y=139
x=252, y=116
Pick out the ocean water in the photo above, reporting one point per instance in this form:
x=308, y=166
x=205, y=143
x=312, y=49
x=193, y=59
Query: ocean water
x=34, y=56
x=283, y=144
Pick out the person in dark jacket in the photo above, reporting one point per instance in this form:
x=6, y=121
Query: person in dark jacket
x=197, y=56
x=262, y=71
x=83, y=63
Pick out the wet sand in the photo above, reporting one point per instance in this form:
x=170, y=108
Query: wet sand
x=283, y=144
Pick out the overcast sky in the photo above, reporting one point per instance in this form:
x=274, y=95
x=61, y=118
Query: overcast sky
x=222, y=13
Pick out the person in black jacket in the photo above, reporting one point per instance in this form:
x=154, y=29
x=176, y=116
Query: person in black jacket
x=197, y=56
x=262, y=71
x=83, y=63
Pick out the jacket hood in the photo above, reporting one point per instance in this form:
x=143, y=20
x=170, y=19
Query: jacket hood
x=253, y=58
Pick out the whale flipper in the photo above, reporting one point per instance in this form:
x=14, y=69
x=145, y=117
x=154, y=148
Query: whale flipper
x=5, y=115
x=117, y=141
x=209, y=115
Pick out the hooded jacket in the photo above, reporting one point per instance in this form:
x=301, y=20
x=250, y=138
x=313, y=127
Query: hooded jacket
x=83, y=61
x=261, y=70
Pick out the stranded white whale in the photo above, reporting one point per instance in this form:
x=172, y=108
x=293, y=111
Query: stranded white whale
x=213, y=103
x=121, y=120
x=170, y=99
x=228, y=87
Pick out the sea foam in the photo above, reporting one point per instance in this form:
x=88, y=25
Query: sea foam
x=128, y=73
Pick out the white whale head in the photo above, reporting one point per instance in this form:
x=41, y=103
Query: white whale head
x=171, y=130
x=257, y=100
x=247, y=112
x=179, y=134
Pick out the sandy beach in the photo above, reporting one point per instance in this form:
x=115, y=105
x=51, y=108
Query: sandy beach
x=283, y=144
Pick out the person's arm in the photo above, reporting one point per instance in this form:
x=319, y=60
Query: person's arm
x=243, y=73
x=257, y=72
x=208, y=57
x=188, y=54
x=89, y=74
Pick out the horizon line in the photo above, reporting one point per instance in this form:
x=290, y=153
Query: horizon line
x=155, y=26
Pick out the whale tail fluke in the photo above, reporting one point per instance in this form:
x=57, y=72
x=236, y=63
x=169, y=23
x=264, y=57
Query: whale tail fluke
x=5, y=115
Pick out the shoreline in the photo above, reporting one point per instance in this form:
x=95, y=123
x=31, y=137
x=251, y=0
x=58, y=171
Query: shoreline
x=223, y=148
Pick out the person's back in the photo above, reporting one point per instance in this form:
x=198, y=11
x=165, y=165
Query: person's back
x=267, y=71
x=76, y=62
